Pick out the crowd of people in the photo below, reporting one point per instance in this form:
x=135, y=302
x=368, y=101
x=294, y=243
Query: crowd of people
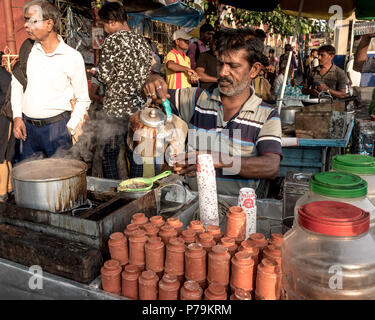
x=218, y=82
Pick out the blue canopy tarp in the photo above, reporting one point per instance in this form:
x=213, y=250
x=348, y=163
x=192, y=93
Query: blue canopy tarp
x=177, y=13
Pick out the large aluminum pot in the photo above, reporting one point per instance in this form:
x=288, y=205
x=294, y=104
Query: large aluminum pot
x=55, y=185
x=288, y=115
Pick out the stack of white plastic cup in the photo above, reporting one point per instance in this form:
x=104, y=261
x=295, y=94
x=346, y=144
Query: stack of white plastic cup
x=206, y=178
x=247, y=201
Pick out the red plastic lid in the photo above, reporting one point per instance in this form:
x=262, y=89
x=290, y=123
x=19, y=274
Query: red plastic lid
x=334, y=218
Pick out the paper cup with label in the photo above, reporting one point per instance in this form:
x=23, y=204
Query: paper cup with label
x=247, y=201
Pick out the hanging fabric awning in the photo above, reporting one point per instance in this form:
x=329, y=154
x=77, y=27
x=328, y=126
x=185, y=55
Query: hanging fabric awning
x=264, y=6
x=318, y=9
x=177, y=13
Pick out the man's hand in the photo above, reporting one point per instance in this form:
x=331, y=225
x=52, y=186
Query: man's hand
x=78, y=131
x=186, y=163
x=322, y=87
x=19, y=129
x=193, y=76
x=154, y=85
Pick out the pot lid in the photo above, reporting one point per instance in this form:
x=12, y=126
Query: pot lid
x=333, y=218
x=152, y=117
x=338, y=185
x=48, y=169
x=354, y=163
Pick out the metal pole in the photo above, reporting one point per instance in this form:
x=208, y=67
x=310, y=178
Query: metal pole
x=290, y=57
x=352, y=38
x=9, y=25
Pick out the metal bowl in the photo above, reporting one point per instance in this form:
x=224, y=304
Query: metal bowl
x=288, y=115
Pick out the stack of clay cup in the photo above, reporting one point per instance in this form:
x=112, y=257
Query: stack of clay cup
x=157, y=259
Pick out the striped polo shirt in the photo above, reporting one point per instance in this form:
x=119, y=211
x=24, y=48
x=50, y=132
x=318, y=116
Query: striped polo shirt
x=253, y=131
x=177, y=80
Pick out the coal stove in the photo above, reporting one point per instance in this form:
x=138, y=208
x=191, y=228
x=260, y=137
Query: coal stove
x=71, y=244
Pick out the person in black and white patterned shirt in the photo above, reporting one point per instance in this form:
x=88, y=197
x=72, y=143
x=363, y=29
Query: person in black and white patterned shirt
x=124, y=65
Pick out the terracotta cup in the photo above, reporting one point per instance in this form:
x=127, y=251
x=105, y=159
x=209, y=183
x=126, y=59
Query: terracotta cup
x=167, y=232
x=148, y=285
x=195, y=262
x=242, y=271
x=196, y=225
x=260, y=241
x=189, y=236
x=151, y=230
x=137, y=243
x=268, y=283
x=118, y=247
x=215, y=231
x=130, y=228
x=276, y=239
x=111, y=276
x=273, y=253
x=169, y=287
x=175, y=257
x=206, y=240
x=251, y=247
x=215, y=291
x=130, y=277
x=236, y=223
x=230, y=244
x=139, y=219
x=177, y=224
x=158, y=221
x=154, y=254
x=191, y=290
x=240, y=294
x=219, y=265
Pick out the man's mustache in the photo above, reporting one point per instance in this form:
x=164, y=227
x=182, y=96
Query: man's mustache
x=225, y=79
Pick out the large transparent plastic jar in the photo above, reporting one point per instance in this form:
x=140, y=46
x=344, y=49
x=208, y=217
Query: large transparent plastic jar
x=329, y=254
x=341, y=187
x=363, y=166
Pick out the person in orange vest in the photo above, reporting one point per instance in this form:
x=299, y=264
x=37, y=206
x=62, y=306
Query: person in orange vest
x=177, y=64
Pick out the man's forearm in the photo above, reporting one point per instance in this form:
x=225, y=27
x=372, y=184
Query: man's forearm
x=260, y=167
x=339, y=94
x=176, y=67
x=204, y=77
x=361, y=54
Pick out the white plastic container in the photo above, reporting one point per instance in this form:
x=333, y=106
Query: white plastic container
x=363, y=166
x=329, y=254
x=341, y=187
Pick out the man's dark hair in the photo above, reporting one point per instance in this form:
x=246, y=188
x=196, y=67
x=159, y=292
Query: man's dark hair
x=113, y=11
x=327, y=48
x=313, y=50
x=288, y=47
x=260, y=34
x=206, y=27
x=236, y=39
x=271, y=51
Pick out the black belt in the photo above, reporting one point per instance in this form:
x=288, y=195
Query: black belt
x=46, y=121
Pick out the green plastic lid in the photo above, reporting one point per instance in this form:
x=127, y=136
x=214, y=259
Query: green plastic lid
x=354, y=163
x=338, y=185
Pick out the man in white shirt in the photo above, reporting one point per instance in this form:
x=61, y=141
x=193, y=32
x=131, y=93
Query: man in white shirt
x=42, y=114
x=353, y=76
